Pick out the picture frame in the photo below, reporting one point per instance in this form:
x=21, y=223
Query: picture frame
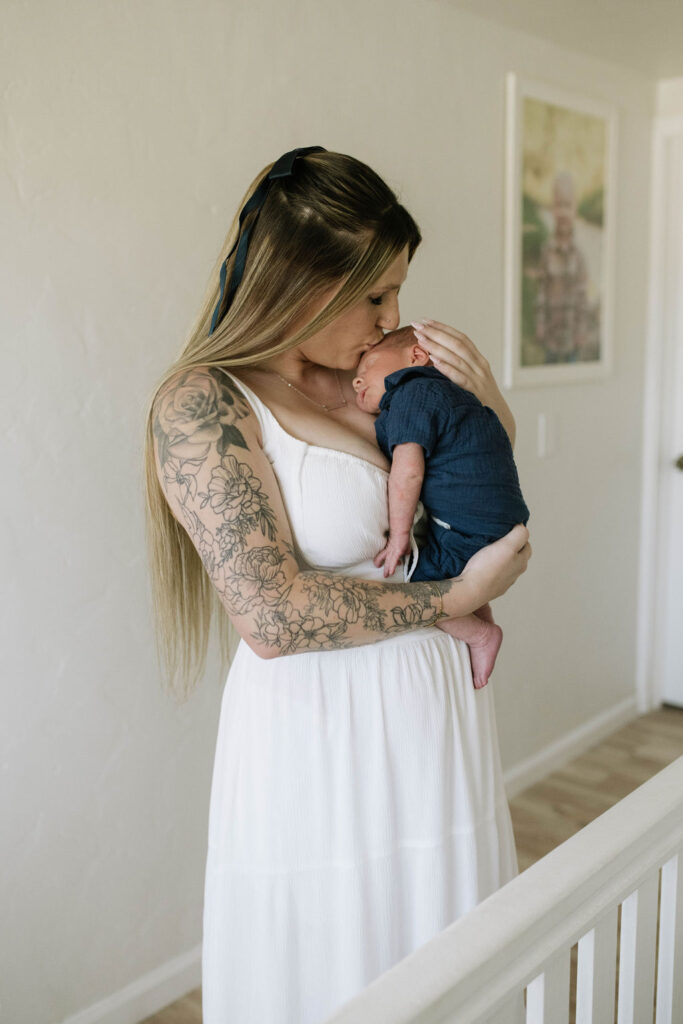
x=560, y=194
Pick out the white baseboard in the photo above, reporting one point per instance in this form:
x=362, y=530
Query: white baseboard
x=574, y=743
x=146, y=995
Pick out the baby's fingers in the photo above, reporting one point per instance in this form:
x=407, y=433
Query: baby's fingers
x=390, y=565
x=380, y=557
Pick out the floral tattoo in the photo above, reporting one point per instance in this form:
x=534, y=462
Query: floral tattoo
x=202, y=411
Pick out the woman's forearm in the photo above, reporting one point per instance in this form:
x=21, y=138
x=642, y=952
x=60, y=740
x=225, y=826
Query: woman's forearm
x=323, y=611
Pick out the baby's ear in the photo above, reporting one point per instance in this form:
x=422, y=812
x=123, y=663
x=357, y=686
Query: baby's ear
x=418, y=356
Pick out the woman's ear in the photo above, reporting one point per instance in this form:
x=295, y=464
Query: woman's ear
x=418, y=356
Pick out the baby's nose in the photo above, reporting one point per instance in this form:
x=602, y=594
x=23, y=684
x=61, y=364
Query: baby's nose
x=356, y=383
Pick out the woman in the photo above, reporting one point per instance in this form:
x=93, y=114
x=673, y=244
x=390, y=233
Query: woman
x=357, y=805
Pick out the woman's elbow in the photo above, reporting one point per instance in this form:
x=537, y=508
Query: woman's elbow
x=262, y=650
x=268, y=653
x=265, y=629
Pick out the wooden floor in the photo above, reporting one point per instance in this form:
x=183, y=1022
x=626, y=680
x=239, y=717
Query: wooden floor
x=546, y=814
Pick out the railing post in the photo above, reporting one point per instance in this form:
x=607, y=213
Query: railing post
x=637, y=952
x=596, y=972
x=547, y=996
x=670, y=966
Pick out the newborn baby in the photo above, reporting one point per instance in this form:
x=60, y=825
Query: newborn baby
x=452, y=452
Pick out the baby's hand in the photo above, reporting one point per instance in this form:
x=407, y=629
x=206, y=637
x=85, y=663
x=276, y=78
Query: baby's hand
x=392, y=552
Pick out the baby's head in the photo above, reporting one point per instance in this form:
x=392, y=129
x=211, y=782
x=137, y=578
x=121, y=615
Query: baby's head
x=397, y=350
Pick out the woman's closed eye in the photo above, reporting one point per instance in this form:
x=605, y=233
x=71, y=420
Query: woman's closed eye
x=376, y=300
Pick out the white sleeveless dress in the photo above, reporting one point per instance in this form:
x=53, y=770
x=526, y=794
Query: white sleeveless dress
x=357, y=804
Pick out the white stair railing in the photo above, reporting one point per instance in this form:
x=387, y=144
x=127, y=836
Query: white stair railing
x=520, y=938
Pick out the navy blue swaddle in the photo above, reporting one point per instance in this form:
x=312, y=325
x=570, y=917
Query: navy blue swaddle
x=471, y=487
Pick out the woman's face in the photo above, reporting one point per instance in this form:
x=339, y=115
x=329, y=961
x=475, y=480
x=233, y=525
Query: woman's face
x=342, y=342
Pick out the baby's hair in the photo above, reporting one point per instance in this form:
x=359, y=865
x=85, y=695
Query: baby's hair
x=400, y=338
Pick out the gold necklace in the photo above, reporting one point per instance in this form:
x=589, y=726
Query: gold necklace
x=321, y=405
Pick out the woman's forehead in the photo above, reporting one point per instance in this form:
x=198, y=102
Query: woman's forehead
x=396, y=272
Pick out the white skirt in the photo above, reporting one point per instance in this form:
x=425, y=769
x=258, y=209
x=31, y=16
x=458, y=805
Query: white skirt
x=357, y=809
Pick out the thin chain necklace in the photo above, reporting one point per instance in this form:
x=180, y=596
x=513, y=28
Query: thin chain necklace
x=320, y=405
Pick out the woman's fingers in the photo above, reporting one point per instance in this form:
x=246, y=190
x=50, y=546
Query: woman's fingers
x=437, y=327
x=518, y=536
x=458, y=338
x=445, y=342
x=495, y=567
x=454, y=354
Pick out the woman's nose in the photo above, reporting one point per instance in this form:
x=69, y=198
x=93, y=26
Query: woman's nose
x=389, y=318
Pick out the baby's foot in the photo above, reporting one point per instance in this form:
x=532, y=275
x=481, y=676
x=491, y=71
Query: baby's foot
x=483, y=639
x=483, y=652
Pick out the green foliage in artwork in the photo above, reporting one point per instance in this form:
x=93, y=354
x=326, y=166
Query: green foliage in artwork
x=592, y=207
x=529, y=288
x=534, y=231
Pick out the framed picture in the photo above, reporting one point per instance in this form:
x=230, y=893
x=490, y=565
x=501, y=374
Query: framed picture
x=559, y=235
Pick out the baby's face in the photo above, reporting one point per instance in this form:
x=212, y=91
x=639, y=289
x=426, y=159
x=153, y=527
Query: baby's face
x=376, y=364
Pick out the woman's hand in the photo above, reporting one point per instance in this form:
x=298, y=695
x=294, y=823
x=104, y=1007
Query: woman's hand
x=493, y=569
x=460, y=360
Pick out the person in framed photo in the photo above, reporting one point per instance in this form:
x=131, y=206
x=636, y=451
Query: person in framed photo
x=561, y=296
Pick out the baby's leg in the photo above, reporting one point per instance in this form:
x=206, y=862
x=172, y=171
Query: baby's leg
x=440, y=558
x=482, y=636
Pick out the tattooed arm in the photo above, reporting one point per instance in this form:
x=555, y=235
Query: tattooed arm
x=222, y=489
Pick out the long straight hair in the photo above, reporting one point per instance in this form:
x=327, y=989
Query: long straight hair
x=334, y=222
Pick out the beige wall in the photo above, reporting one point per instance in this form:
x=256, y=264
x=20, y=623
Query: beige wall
x=129, y=132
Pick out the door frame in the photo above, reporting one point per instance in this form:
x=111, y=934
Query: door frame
x=657, y=428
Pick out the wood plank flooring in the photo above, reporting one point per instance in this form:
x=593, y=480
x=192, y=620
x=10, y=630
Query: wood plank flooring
x=548, y=813
x=554, y=809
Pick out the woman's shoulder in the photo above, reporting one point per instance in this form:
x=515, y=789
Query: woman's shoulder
x=205, y=401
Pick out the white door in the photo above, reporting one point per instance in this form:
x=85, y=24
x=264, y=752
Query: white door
x=668, y=637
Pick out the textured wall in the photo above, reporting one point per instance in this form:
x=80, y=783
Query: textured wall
x=129, y=131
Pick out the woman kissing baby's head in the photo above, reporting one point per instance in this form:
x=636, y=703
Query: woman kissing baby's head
x=397, y=350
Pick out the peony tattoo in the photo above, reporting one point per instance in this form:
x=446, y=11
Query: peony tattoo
x=252, y=577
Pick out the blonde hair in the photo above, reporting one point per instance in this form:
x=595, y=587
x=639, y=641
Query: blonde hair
x=333, y=222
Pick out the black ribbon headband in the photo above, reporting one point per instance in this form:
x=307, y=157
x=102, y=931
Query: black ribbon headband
x=282, y=168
